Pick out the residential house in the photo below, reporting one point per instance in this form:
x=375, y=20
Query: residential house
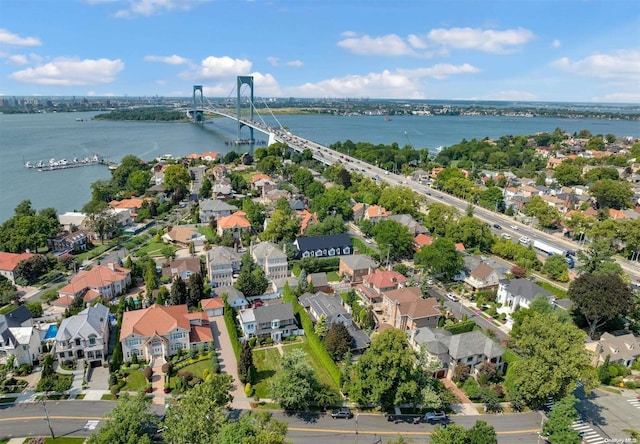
x=621, y=349
x=235, y=298
x=210, y=156
x=223, y=264
x=213, y=307
x=483, y=277
x=160, y=331
x=306, y=219
x=182, y=235
x=84, y=336
x=333, y=309
x=470, y=349
x=297, y=205
x=408, y=221
x=72, y=220
x=219, y=171
x=235, y=223
x=405, y=309
x=66, y=242
x=275, y=321
x=277, y=285
x=18, y=338
x=358, y=211
x=519, y=293
x=183, y=268
x=8, y=263
x=319, y=282
x=214, y=209
x=422, y=240
x=271, y=259
x=378, y=282
x=132, y=204
x=355, y=267
x=375, y=213
x=108, y=281
x=324, y=246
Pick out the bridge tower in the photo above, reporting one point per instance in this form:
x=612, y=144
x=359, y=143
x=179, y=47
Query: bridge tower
x=198, y=105
x=248, y=80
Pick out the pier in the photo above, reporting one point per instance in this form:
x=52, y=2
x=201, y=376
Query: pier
x=63, y=164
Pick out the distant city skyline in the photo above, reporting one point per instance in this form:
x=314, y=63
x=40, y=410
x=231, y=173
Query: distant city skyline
x=537, y=50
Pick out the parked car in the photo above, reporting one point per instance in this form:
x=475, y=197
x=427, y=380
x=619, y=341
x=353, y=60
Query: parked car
x=430, y=281
x=342, y=413
x=437, y=416
x=452, y=297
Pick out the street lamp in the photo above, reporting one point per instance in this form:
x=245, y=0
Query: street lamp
x=46, y=414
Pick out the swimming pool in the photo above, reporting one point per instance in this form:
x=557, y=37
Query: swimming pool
x=52, y=331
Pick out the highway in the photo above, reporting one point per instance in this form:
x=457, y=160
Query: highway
x=329, y=156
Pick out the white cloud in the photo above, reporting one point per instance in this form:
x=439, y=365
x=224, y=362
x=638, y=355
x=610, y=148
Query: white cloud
x=512, y=95
x=388, y=45
x=71, y=72
x=556, y=44
x=440, y=71
x=169, y=60
x=275, y=61
x=416, y=41
x=499, y=42
x=380, y=85
x=9, y=38
x=216, y=67
x=146, y=8
x=618, y=98
x=18, y=59
x=620, y=64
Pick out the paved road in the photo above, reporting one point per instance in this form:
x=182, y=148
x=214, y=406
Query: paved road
x=81, y=418
x=611, y=413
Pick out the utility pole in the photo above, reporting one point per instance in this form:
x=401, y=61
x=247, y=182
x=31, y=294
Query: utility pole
x=46, y=414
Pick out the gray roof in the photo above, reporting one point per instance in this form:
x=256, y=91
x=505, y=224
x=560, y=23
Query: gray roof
x=524, y=288
x=268, y=313
x=408, y=221
x=322, y=303
x=223, y=255
x=216, y=206
x=360, y=338
x=435, y=340
x=358, y=261
x=89, y=321
x=473, y=343
x=318, y=279
x=279, y=283
x=17, y=317
x=233, y=294
x=267, y=250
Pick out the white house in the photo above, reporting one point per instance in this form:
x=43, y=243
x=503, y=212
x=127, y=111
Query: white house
x=84, y=336
x=18, y=337
x=519, y=293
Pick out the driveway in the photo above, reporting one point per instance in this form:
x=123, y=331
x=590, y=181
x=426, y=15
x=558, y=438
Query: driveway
x=228, y=363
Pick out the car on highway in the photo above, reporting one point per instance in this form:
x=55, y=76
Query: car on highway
x=497, y=227
x=437, y=416
x=342, y=413
x=367, y=240
x=452, y=297
x=514, y=227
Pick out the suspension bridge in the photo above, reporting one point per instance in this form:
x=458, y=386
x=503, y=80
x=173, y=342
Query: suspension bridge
x=252, y=122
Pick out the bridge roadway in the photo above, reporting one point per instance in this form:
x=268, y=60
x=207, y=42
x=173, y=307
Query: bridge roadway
x=508, y=225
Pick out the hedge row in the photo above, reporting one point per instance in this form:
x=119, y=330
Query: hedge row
x=461, y=327
x=232, y=328
x=557, y=292
x=315, y=344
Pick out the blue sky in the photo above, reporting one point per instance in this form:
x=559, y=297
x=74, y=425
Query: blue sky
x=560, y=50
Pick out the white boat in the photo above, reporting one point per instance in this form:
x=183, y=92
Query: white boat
x=28, y=165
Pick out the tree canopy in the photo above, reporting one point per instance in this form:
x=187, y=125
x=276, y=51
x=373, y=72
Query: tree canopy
x=441, y=258
x=129, y=422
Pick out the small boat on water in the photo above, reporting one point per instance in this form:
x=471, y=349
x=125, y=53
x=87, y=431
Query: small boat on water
x=55, y=164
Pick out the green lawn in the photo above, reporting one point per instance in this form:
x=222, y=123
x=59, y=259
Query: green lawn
x=208, y=232
x=332, y=276
x=197, y=370
x=267, y=362
x=135, y=382
x=362, y=247
x=61, y=440
x=154, y=249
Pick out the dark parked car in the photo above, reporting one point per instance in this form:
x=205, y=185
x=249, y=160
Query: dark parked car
x=437, y=416
x=343, y=412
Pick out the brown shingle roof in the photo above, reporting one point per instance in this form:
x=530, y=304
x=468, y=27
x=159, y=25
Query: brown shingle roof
x=482, y=271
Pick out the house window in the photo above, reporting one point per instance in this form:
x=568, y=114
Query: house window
x=92, y=340
x=77, y=341
x=346, y=250
x=470, y=358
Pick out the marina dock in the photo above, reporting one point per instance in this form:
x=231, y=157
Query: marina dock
x=63, y=164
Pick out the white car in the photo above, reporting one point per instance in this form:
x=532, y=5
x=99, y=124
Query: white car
x=452, y=297
x=514, y=227
x=367, y=240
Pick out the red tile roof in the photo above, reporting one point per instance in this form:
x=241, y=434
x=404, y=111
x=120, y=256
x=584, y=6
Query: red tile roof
x=97, y=277
x=235, y=220
x=8, y=261
x=212, y=303
x=385, y=279
x=157, y=319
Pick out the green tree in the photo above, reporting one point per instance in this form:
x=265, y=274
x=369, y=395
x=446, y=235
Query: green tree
x=568, y=174
x=105, y=223
x=612, y=194
x=251, y=280
x=253, y=428
x=553, y=359
x=338, y=341
x=599, y=258
x=8, y=291
x=335, y=200
x=282, y=226
x=557, y=428
x=198, y=416
x=176, y=177
x=600, y=298
x=492, y=198
x=440, y=219
x=128, y=424
x=138, y=181
x=393, y=239
x=195, y=290
x=441, y=258
x=547, y=216
x=601, y=173
x=451, y=434
x=482, y=433
x=255, y=213
x=35, y=308
x=399, y=200
x=472, y=232
x=179, y=292
x=386, y=374
x=320, y=327
x=206, y=188
x=245, y=363
x=31, y=269
x=556, y=267
x=294, y=387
